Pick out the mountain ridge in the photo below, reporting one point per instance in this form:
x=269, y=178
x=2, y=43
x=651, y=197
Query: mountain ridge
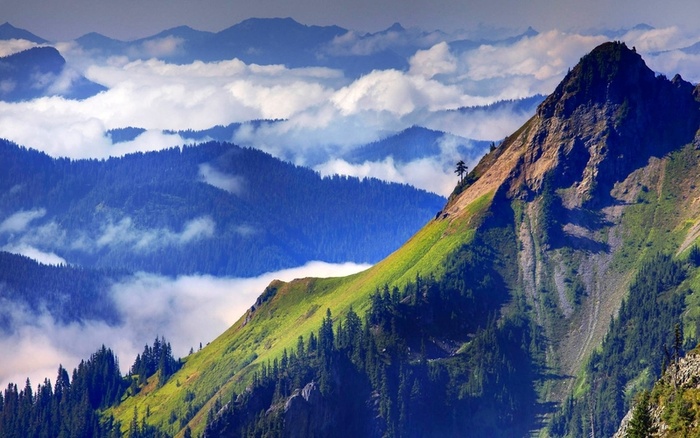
x=214, y=199
x=517, y=175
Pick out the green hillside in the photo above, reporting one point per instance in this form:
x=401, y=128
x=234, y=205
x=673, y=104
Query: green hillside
x=227, y=363
x=569, y=210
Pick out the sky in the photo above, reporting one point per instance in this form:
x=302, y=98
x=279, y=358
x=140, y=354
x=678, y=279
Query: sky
x=58, y=20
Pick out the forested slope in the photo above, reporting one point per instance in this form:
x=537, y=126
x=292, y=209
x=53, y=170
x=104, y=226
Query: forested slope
x=215, y=208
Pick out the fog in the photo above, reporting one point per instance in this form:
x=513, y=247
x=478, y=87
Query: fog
x=185, y=310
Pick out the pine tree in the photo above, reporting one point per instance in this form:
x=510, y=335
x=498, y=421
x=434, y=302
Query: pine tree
x=641, y=425
x=461, y=170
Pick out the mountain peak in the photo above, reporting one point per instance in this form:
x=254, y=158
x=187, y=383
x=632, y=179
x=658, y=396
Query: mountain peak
x=396, y=27
x=608, y=117
x=608, y=74
x=9, y=32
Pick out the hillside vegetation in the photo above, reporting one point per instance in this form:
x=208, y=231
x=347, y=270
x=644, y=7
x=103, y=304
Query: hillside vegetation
x=215, y=209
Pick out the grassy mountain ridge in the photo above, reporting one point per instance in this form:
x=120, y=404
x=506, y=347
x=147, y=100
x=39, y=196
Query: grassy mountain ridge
x=296, y=303
x=590, y=188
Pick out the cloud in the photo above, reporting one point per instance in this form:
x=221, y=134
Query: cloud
x=160, y=47
x=43, y=242
x=542, y=61
x=353, y=43
x=19, y=221
x=320, y=114
x=230, y=183
x=398, y=93
x=434, y=174
x=125, y=233
x=10, y=47
x=480, y=123
x=46, y=258
x=653, y=40
x=685, y=64
x=186, y=310
x=434, y=61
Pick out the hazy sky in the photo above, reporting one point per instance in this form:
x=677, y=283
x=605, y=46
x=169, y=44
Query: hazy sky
x=131, y=19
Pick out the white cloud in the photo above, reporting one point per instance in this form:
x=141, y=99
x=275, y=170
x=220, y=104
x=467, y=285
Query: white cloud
x=399, y=94
x=19, y=221
x=353, y=43
x=434, y=61
x=231, y=183
x=323, y=114
x=433, y=174
x=46, y=258
x=479, y=124
x=10, y=47
x=186, y=310
x=652, y=40
x=156, y=48
x=543, y=59
x=126, y=233
x=676, y=61
x=199, y=228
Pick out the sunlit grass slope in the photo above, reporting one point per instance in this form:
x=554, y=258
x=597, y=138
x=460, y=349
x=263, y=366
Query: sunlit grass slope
x=294, y=309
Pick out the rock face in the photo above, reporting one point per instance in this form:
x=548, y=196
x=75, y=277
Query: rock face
x=680, y=378
x=574, y=169
x=306, y=414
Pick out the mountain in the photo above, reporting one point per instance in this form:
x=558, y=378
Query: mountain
x=540, y=300
x=41, y=71
x=416, y=143
x=211, y=209
x=254, y=41
x=268, y=41
x=533, y=255
x=96, y=43
x=37, y=287
x=459, y=46
x=9, y=32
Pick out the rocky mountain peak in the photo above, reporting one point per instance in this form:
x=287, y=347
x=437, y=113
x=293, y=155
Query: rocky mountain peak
x=608, y=74
x=608, y=117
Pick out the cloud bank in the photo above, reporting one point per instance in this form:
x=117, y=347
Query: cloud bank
x=186, y=310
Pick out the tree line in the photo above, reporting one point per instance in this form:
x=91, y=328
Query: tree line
x=72, y=406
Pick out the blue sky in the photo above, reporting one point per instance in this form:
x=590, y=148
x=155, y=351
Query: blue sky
x=131, y=19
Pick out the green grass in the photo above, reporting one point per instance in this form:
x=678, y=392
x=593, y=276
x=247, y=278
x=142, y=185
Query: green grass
x=226, y=365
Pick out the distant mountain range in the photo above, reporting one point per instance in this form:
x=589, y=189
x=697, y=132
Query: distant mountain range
x=212, y=209
x=274, y=41
x=284, y=41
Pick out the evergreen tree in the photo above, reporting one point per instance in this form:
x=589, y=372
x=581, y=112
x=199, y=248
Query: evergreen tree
x=641, y=425
x=461, y=170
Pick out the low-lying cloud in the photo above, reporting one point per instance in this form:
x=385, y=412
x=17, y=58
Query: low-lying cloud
x=126, y=233
x=19, y=221
x=186, y=310
x=231, y=183
x=43, y=257
x=42, y=241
